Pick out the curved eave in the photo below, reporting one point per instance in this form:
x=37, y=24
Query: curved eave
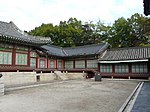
x=79, y=56
x=123, y=61
x=17, y=40
x=103, y=48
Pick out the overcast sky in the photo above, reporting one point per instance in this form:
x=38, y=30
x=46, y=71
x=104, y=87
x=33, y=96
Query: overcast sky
x=28, y=14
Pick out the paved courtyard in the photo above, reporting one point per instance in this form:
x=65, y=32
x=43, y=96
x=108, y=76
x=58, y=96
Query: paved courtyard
x=70, y=96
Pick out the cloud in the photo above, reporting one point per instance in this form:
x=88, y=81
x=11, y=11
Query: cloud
x=27, y=14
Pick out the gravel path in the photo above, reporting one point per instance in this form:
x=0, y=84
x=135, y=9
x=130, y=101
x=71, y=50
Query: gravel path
x=71, y=96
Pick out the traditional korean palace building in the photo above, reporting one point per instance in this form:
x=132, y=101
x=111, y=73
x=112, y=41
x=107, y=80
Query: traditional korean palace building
x=20, y=52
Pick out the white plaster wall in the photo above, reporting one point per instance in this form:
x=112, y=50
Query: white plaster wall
x=12, y=78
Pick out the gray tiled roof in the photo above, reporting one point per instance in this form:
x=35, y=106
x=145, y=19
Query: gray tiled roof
x=131, y=53
x=53, y=50
x=75, y=51
x=10, y=32
x=86, y=50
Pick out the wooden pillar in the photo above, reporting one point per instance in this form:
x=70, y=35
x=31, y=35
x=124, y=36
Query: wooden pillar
x=130, y=70
x=98, y=67
x=28, y=63
x=74, y=63
x=45, y=59
x=56, y=64
x=37, y=62
x=47, y=62
x=13, y=56
x=85, y=63
x=113, y=70
x=63, y=64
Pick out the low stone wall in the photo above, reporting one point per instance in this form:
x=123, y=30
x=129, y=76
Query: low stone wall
x=75, y=75
x=45, y=77
x=13, y=78
x=1, y=86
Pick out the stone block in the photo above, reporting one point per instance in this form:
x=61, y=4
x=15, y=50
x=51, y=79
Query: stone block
x=1, y=93
x=46, y=77
x=1, y=90
x=75, y=75
x=1, y=86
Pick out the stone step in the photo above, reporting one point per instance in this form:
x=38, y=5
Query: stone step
x=61, y=75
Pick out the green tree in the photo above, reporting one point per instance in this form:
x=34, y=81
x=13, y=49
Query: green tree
x=137, y=35
x=102, y=32
x=118, y=33
x=123, y=33
x=94, y=33
x=128, y=32
x=71, y=32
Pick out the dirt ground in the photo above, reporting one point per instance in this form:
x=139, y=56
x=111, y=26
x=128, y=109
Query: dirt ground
x=70, y=96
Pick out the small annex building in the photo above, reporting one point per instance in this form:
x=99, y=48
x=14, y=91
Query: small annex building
x=26, y=59
x=131, y=62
